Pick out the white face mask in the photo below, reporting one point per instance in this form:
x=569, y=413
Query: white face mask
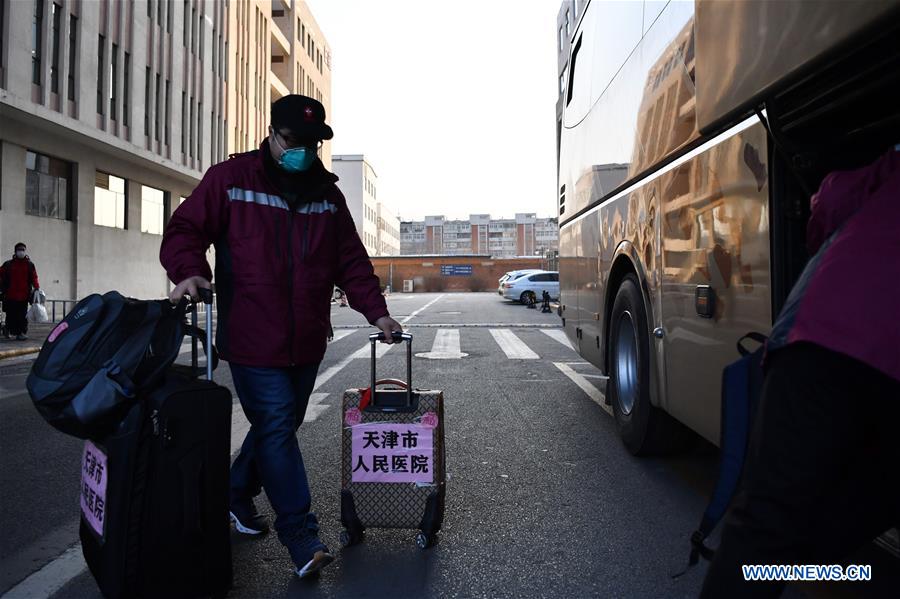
x=20, y=254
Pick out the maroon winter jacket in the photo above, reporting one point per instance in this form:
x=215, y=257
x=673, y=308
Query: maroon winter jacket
x=276, y=261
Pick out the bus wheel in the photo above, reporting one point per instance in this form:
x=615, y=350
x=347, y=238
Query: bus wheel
x=644, y=429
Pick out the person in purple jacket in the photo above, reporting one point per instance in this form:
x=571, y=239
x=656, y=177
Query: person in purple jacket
x=823, y=468
x=284, y=238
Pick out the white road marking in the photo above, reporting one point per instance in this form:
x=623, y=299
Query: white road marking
x=365, y=350
x=52, y=577
x=559, y=335
x=315, y=406
x=588, y=388
x=512, y=346
x=445, y=346
x=239, y=427
x=420, y=310
x=340, y=334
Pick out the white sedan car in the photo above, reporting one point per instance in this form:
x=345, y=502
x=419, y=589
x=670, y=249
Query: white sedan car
x=531, y=286
x=513, y=275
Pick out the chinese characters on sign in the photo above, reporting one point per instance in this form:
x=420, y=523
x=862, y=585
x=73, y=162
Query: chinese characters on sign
x=93, y=486
x=456, y=270
x=392, y=453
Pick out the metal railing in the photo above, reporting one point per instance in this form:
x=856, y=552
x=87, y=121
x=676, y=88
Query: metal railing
x=58, y=314
x=57, y=309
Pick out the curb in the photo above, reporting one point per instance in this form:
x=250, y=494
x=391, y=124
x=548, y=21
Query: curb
x=12, y=353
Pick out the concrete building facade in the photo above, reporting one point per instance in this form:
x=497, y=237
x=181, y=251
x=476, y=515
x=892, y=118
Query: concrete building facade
x=378, y=227
x=524, y=235
x=110, y=113
x=276, y=48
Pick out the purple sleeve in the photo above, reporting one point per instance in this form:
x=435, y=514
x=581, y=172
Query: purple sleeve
x=194, y=226
x=355, y=273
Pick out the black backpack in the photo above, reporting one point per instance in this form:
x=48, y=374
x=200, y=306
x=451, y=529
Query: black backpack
x=106, y=352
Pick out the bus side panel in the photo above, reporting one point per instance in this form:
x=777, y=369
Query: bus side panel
x=715, y=232
x=589, y=298
x=568, y=281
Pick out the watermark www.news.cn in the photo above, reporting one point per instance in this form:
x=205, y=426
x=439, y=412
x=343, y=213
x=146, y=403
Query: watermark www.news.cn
x=807, y=573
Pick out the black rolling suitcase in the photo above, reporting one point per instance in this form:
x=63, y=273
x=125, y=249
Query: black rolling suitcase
x=154, y=518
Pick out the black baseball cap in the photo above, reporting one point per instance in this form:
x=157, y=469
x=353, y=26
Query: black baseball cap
x=303, y=116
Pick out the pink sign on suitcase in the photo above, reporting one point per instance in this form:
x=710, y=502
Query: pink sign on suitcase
x=94, y=473
x=388, y=452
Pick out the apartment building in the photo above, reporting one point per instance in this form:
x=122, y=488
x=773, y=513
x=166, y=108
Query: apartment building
x=523, y=235
x=111, y=111
x=376, y=223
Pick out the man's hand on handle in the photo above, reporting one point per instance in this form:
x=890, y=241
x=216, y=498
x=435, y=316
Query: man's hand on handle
x=388, y=325
x=190, y=286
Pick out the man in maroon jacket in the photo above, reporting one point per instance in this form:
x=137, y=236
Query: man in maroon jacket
x=18, y=280
x=283, y=237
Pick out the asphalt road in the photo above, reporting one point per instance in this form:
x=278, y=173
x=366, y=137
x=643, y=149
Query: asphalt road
x=543, y=500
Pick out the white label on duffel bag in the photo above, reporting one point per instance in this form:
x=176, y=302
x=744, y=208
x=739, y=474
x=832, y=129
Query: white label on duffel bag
x=392, y=453
x=94, y=473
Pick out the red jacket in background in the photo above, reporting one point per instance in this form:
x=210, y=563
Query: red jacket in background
x=18, y=278
x=275, y=266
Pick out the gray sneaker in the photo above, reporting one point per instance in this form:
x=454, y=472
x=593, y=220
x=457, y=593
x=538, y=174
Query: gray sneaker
x=21, y=337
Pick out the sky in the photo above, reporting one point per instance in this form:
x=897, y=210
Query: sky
x=453, y=103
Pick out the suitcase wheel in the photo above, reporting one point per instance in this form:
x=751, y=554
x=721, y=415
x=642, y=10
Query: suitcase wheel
x=424, y=541
x=347, y=538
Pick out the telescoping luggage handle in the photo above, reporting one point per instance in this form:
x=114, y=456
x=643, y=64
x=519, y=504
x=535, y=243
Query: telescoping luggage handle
x=206, y=296
x=397, y=336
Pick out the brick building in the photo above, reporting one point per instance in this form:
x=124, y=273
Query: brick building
x=524, y=235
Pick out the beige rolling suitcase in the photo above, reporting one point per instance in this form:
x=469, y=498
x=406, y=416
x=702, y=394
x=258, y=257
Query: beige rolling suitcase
x=392, y=456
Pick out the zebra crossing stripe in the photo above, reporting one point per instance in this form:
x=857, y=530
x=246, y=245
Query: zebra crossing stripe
x=585, y=386
x=340, y=334
x=445, y=346
x=559, y=335
x=315, y=406
x=512, y=346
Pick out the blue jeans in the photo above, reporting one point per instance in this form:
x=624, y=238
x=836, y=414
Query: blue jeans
x=274, y=401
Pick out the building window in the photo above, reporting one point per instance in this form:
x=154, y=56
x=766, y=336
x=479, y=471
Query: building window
x=168, y=110
x=56, y=11
x=113, y=81
x=169, y=18
x=100, y=69
x=153, y=205
x=37, y=26
x=183, y=121
x=48, y=183
x=157, y=111
x=109, y=201
x=73, y=27
x=147, y=102
x=199, y=132
x=125, y=94
x=191, y=130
